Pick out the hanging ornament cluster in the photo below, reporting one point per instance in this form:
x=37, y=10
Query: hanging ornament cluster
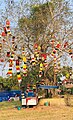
x=58, y=46
x=33, y=60
x=39, y=54
x=6, y=30
x=10, y=65
x=70, y=52
x=13, y=42
x=8, y=54
x=65, y=44
x=37, y=49
x=44, y=59
x=0, y=47
x=41, y=70
x=23, y=52
x=8, y=27
x=24, y=66
x=18, y=71
x=1, y=60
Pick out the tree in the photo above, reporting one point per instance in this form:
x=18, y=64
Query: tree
x=50, y=21
x=49, y=25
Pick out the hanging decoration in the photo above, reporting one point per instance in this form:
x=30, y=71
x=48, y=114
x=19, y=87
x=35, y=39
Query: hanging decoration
x=65, y=44
x=8, y=54
x=24, y=66
x=70, y=52
x=41, y=70
x=23, y=52
x=3, y=34
x=0, y=47
x=38, y=55
x=7, y=29
x=43, y=56
x=33, y=60
x=1, y=60
x=10, y=65
x=18, y=71
x=58, y=46
x=13, y=42
x=37, y=49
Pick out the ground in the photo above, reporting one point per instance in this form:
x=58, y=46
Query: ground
x=56, y=111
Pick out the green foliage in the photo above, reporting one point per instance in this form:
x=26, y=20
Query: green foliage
x=31, y=78
x=9, y=83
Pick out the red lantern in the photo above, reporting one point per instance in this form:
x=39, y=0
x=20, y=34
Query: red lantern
x=3, y=34
x=35, y=45
x=5, y=30
x=66, y=44
x=17, y=62
x=52, y=41
x=54, y=51
x=44, y=55
x=8, y=54
x=7, y=23
x=58, y=46
x=1, y=60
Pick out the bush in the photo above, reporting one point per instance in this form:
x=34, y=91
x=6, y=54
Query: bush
x=69, y=100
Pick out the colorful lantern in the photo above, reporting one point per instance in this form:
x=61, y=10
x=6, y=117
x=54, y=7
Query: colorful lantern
x=70, y=52
x=3, y=34
x=58, y=46
x=35, y=45
x=8, y=54
x=41, y=70
x=54, y=51
x=65, y=44
x=7, y=23
x=1, y=60
x=33, y=61
x=10, y=64
x=24, y=66
x=5, y=30
x=0, y=46
x=18, y=71
x=52, y=41
x=44, y=56
x=8, y=30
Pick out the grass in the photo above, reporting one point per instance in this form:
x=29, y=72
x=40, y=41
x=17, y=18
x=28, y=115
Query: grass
x=9, y=104
x=54, y=111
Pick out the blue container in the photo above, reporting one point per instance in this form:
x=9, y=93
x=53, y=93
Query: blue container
x=5, y=95
x=0, y=99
